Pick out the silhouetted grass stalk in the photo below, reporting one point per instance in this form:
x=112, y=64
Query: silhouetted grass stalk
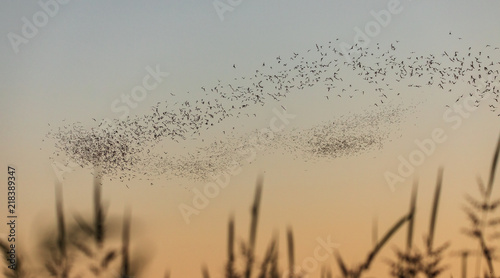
x=253, y=229
x=125, y=268
x=291, y=253
x=230, y=271
x=357, y=272
x=411, y=221
x=485, y=208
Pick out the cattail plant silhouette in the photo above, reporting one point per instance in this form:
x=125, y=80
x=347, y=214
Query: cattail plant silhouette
x=268, y=268
x=413, y=262
x=477, y=212
x=88, y=248
x=18, y=270
x=99, y=248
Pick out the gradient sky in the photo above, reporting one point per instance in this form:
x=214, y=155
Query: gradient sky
x=90, y=53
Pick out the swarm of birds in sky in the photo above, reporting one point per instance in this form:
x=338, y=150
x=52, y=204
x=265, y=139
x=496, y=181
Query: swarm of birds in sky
x=347, y=135
x=125, y=148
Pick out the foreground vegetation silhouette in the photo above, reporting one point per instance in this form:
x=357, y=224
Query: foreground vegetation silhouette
x=100, y=247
